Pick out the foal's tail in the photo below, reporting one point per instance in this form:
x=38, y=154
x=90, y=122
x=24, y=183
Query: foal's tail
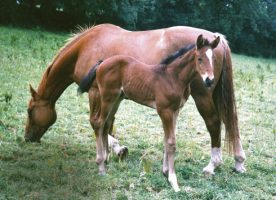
x=86, y=82
x=226, y=103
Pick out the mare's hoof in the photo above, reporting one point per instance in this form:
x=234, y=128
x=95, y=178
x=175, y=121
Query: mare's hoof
x=123, y=153
x=208, y=175
x=28, y=140
x=239, y=168
x=208, y=172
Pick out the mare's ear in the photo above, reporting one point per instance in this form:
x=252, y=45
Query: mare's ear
x=34, y=93
x=215, y=43
x=199, y=42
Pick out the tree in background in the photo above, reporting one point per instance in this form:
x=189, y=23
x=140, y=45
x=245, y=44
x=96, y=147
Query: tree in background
x=250, y=25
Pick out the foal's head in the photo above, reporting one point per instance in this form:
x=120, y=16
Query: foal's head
x=41, y=115
x=204, y=59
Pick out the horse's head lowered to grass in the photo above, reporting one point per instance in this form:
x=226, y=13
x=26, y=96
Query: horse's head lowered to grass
x=41, y=115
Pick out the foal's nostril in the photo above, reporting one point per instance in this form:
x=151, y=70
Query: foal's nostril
x=209, y=82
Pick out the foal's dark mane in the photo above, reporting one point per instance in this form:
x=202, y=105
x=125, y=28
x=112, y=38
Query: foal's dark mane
x=177, y=54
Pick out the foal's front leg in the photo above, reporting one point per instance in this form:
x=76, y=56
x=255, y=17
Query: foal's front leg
x=168, y=118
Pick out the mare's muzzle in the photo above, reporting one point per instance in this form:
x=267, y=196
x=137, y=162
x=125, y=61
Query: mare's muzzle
x=34, y=135
x=32, y=139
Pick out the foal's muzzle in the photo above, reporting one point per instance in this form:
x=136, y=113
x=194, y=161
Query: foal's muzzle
x=209, y=82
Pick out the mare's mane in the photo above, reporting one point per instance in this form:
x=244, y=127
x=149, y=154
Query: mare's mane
x=69, y=42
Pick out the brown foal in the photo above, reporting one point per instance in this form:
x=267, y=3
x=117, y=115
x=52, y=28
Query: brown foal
x=164, y=87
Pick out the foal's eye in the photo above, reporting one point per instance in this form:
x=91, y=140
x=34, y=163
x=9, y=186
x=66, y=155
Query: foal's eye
x=199, y=60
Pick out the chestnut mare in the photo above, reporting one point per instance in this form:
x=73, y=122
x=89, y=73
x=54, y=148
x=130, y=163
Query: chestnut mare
x=74, y=60
x=164, y=87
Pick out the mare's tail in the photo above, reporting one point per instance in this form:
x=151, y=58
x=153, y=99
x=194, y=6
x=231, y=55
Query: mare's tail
x=87, y=81
x=225, y=101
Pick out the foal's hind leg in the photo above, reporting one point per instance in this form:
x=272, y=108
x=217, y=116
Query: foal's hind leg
x=109, y=106
x=212, y=120
x=94, y=100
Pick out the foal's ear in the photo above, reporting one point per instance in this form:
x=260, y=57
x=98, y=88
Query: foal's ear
x=199, y=42
x=34, y=93
x=215, y=43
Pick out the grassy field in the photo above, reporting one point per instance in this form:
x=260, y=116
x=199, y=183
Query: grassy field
x=63, y=165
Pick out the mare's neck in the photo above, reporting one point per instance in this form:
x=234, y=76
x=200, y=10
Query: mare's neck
x=183, y=68
x=55, y=80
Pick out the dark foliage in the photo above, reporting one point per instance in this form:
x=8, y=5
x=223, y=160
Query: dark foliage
x=250, y=25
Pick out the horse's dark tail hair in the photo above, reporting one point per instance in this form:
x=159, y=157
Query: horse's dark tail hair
x=87, y=81
x=226, y=102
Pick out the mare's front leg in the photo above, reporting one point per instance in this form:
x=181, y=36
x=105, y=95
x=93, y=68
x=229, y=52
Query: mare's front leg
x=168, y=118
x=206, y=108
x=94, y=101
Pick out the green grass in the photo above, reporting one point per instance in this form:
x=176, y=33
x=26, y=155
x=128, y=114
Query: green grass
x=63, y=166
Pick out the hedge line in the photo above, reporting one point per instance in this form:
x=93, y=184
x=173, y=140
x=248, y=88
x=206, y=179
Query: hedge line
x=250, y=25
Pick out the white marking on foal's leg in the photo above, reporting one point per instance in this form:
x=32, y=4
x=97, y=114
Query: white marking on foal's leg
x=165, y=167
x=101, y=153
x=173, y=181
x=120, y=151
x=215, y=161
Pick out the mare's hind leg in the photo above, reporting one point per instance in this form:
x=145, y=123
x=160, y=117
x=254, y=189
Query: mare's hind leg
x=120, y=151
x=113, y=143
x=207, y=110
x=239, y=156
x=94, y=100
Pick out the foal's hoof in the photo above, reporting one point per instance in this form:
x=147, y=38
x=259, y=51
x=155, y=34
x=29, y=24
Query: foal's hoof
x=123, y=153
x=166, y=174
x=102, y=173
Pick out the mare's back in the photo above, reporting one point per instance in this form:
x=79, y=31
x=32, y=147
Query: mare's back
x=147, y=46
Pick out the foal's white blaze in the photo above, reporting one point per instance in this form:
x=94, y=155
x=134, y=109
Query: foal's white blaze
x=216, y=160
x=209, y=54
